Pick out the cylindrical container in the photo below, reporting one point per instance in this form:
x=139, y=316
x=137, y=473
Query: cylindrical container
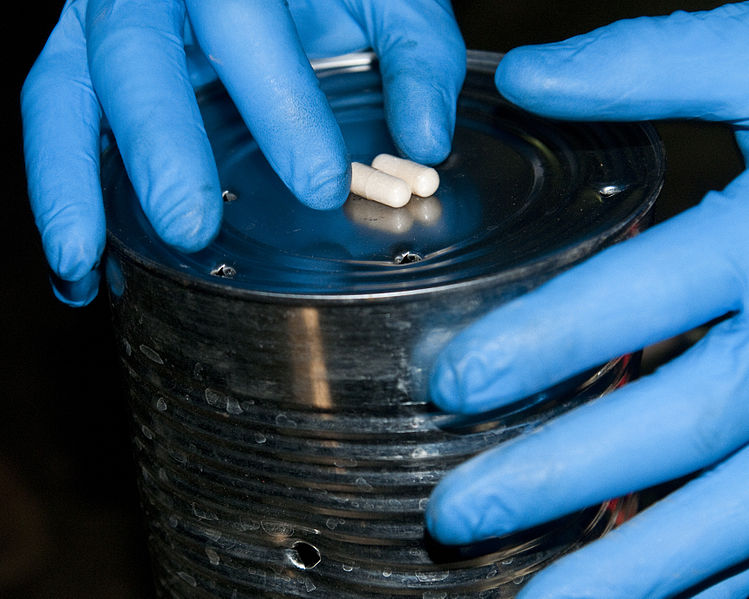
x=278, y=379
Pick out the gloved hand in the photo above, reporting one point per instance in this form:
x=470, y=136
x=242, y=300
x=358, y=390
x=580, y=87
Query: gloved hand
x=692, y=415
x=127, y=61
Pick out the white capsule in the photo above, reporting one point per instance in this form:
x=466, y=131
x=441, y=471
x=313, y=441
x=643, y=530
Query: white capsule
x=422, y=180
x=375, y=185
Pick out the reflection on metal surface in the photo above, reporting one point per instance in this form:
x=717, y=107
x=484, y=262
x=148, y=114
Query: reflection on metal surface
x=379, y=217
x=310, y=374
x=427, y=211
x=612, y=189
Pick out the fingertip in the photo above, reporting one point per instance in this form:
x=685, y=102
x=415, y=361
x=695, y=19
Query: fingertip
x=443, y=387
x=467, y=379
x=192, y=224
x=527, y=76
x=429, y=152
x=512, y=71
x=329, y=189
x=422, y=120
x=449, y=517
x=430, y=148
x=76, y=293
x=72, y=243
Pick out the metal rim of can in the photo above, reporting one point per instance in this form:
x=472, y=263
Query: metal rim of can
x=157, y=257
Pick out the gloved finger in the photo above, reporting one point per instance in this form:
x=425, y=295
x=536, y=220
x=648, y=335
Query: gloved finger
x=682, y=65
x=676, y=421
x=678, y=275
x=77, y=293
x=255, y=49
x=728, y=588
x=327, y=29
x=696, y=532
x=61, y=120
x=423, y=64
x=137, y=63
x=198, y=66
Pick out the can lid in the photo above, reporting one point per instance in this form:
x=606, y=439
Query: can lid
x=517, y=192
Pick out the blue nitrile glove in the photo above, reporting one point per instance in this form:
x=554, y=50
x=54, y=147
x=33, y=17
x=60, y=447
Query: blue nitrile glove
x=127, y=61
x=692, y=415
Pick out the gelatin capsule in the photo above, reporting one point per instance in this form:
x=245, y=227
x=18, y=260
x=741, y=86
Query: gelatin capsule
x=423, y=180
x=376, y=185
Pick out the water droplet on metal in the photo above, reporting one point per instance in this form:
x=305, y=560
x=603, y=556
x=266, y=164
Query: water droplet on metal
x=151, y=354
x=276, y=528
x=213, y=397
x=203, y=514
x=232, y=406
x=362, y=483
x=213, y=556
x=437, y=576
x=283, y=420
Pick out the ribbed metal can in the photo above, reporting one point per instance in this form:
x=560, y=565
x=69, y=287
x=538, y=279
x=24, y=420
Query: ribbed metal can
x=278, y=379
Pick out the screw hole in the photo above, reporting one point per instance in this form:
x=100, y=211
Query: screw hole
x=228, y=196
x=408, y=257
x=225, y=271
x=304, y=556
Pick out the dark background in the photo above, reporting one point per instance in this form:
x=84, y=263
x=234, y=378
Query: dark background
x=69, y=524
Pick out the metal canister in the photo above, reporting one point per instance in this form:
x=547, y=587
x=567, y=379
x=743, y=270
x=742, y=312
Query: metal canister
x=278, y=379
